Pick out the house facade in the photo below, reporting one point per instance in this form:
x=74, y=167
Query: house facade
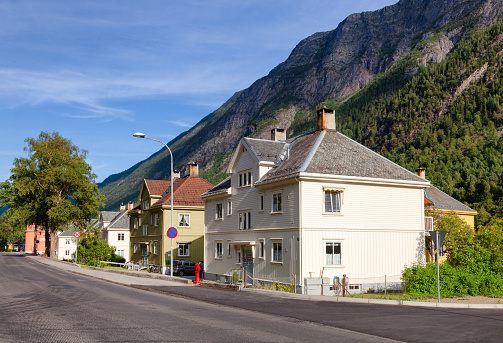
x=319, y=204
x=35, y=239
x=149, y=221
x=65, y=245
x=114, y=228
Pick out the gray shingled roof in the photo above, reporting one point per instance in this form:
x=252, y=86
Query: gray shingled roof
x=121, y=221
x=108, y=216
x=264, y=149
x=340, y=155
x=225, y=184
x=330, y=152
x=443, y=201
x=66, y=233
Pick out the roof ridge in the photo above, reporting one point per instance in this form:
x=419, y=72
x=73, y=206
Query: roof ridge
x=313, y=150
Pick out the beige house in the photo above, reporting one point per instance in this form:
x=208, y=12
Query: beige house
x=319, y=204
x=149, y=221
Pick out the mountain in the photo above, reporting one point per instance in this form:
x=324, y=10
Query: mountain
x=363, y=69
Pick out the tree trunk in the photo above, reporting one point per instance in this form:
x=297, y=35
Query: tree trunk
x=47, y=240
x=35, y=234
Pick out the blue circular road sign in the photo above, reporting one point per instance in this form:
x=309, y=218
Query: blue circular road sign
x=172, y=232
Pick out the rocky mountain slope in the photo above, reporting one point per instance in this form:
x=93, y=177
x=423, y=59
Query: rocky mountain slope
x=325, y=66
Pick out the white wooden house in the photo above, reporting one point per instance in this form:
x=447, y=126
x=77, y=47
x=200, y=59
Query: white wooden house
x=114, y=228
x=317, y=204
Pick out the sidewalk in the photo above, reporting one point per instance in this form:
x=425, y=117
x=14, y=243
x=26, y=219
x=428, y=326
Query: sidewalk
x=146, y=280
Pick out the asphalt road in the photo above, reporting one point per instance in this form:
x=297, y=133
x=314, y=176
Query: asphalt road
x=40, y=303
x=46, y=304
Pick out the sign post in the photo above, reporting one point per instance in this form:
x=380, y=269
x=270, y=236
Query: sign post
x=76, y=234
x=437, y=238
x=172, y=233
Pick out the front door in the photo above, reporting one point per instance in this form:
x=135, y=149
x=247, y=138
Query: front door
x=248, y=264
x=145, y=256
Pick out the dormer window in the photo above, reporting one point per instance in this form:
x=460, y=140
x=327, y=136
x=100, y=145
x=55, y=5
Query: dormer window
x=144, y=205
x=245, y=179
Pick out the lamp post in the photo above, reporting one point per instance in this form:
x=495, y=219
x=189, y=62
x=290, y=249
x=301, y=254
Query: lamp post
x=142, y=135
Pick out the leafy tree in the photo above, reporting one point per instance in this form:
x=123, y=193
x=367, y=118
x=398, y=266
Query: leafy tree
x=92, y=249
x=53, y=187
x=11, y=228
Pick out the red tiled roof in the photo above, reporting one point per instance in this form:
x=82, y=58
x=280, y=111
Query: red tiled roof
x=187, y=191
x=157, y=187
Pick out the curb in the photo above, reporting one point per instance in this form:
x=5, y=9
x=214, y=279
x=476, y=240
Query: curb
x=373, y=301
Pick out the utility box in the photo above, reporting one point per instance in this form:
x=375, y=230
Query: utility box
x=317, y=286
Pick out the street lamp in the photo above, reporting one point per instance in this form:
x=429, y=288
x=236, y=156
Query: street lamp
x=142, y=135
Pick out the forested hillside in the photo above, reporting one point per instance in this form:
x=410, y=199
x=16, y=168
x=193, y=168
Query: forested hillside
x=446, y=118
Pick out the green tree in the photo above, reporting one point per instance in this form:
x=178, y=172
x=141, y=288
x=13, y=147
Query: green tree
x=12, y=228
x=92, y=249
x=53, y=187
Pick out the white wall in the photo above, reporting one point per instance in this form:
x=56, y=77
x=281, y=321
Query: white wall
x=113, y=241
x=380, y=229
x=63, y=246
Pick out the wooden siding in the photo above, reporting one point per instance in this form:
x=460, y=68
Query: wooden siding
x=365, y=206
x=365, y=254
x=264, y=268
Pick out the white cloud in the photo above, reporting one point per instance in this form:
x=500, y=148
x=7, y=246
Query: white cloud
x=179, y=123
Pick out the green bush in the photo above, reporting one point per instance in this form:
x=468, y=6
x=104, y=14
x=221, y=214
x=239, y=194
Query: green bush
x=420, y=280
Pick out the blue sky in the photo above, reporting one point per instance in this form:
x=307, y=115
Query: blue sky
x=99, y=71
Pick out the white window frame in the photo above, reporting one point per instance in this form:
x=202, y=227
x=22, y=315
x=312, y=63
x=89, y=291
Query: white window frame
x=218, y=249
x=120, y=253
x=135, y=223
x=261, y=202
x=144, y=205
x=67, y=241
x=182, y=216
x=145, y=230
x=184, y=248
x=277, y=206
x=67, y=252
x=229, y=249
x=155, y=248
x=261, y=249
x=335, y=206
x=239, y=261
x=219, y=211
x=156, y=219
x=245, y=179
x=277, y=254
x=229, y=207
x=333, y=242
x=244, y=221
x=120, y=236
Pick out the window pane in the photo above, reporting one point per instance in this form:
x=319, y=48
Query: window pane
x=336, y=202
x=328, y=202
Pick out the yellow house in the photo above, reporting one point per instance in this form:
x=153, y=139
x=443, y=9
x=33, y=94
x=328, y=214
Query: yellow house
x=440, y=202
x=150, y=220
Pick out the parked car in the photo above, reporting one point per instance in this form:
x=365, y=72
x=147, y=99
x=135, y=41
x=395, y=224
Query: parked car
x=183, y=267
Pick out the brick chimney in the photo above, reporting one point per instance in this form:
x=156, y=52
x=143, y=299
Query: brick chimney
x=193, y=169
x=176, y=174
x=421, y=172
x=326, y=119
x=129, y=206
x=278, y=134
